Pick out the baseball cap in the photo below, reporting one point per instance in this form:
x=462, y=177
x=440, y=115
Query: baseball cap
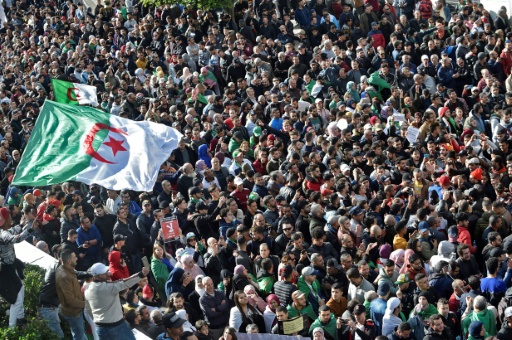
x=239, y=181
x=359, y=309
x=444, y=180
x=119, y=237
x=423, y=226
x=190, y=235
x=297, y=294
x=77, y=192
x=147, y=292
x=356, y=211
x=402, y=278
x=508, y=312
x=146, y=202
x=474, y=160
x=172, y=320
x=98, y=269
x=383, y=288
x=374, y=23
x=257, y=131
x=309, y=271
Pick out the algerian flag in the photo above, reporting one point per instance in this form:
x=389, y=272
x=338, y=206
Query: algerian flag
x=83, y=144
x=74, y=93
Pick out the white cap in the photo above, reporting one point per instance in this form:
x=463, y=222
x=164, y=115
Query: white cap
x=98, y=269
x=508, y=312
x=239, y=181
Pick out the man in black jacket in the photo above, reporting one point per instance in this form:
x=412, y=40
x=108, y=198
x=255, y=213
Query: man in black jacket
x=127, y=227
x=284, y=289
x=105, y=223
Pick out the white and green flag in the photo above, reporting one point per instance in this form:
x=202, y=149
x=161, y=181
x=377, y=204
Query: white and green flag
x=83, y=144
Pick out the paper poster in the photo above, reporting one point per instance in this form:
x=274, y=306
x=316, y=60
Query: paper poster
x=399, y=117
x=412, y=134
x=292, y=326
x=170, y=228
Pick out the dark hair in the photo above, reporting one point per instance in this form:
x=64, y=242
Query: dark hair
x=65, y=255
x=492, y=265
x=404, y=326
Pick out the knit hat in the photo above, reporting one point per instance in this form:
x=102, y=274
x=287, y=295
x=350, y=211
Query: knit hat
x=475, y=328
x=445, y=248
x=477, y=174
x=442, y=111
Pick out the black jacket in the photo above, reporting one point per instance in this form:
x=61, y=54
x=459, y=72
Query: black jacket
x=284, y=290
x=431, y=335
x=134, y=240
x=48, y=294
x=105, y=225
x=214, y=264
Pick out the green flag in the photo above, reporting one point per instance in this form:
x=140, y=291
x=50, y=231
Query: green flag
x=83, y=144
x=74, y=93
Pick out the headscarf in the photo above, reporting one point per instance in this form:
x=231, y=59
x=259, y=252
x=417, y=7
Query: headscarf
x=203, y=155
x=405, y=266
x=199, y=291
x=355, y=95
x=239, y=270
x=221, y=157
x=396, y=255
x=269, y=299
x=201, y=164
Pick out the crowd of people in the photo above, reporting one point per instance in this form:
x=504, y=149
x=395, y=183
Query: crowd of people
x=345, y=162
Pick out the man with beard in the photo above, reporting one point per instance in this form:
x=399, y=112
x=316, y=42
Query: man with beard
x=105, y=223
x=127, y=227
x=184, y=154
x=186, y=179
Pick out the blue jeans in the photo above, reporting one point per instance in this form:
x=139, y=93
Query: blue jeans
x=121, y=332
x=52, y=316
x=76, y=323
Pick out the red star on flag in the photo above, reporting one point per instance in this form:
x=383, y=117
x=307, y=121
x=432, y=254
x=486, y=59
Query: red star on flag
x=115, y=145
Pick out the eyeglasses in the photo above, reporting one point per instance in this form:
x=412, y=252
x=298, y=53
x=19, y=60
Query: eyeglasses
x=286, y=229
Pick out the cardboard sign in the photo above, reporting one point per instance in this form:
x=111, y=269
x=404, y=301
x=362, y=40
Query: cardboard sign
x=170, y=228
x=292, y=326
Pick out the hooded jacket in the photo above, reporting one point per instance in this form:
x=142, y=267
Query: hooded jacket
x=505, y=332
x=117, y=271
x=174, y=285
x=303, y=287
x=486, y=317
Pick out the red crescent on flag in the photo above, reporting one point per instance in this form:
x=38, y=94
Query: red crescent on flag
x=70, y=91
x=89, y=139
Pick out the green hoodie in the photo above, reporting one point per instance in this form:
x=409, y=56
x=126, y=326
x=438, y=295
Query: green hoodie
x=486, y=317
x=427, y=313
x=329, y=328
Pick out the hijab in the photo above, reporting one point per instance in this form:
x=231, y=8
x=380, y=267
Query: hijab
x=239, y=270
x=203, y=155
x=405, y=266
x=396, y=255
x=270, y=298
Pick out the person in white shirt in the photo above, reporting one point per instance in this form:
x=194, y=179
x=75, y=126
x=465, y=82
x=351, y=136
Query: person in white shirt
x=113, y=201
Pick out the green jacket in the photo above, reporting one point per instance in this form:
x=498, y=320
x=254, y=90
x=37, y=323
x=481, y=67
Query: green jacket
x=486, y=317
x=293, y=312
x=427, y=313
x=266, y=283
x=329, y=328
x=161, y=274
x=303, y=286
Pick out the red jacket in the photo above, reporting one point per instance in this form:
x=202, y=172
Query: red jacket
x=378, y=38
x=314, y=184
x=465, y=237
x=117, y=271
x=506, y=62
